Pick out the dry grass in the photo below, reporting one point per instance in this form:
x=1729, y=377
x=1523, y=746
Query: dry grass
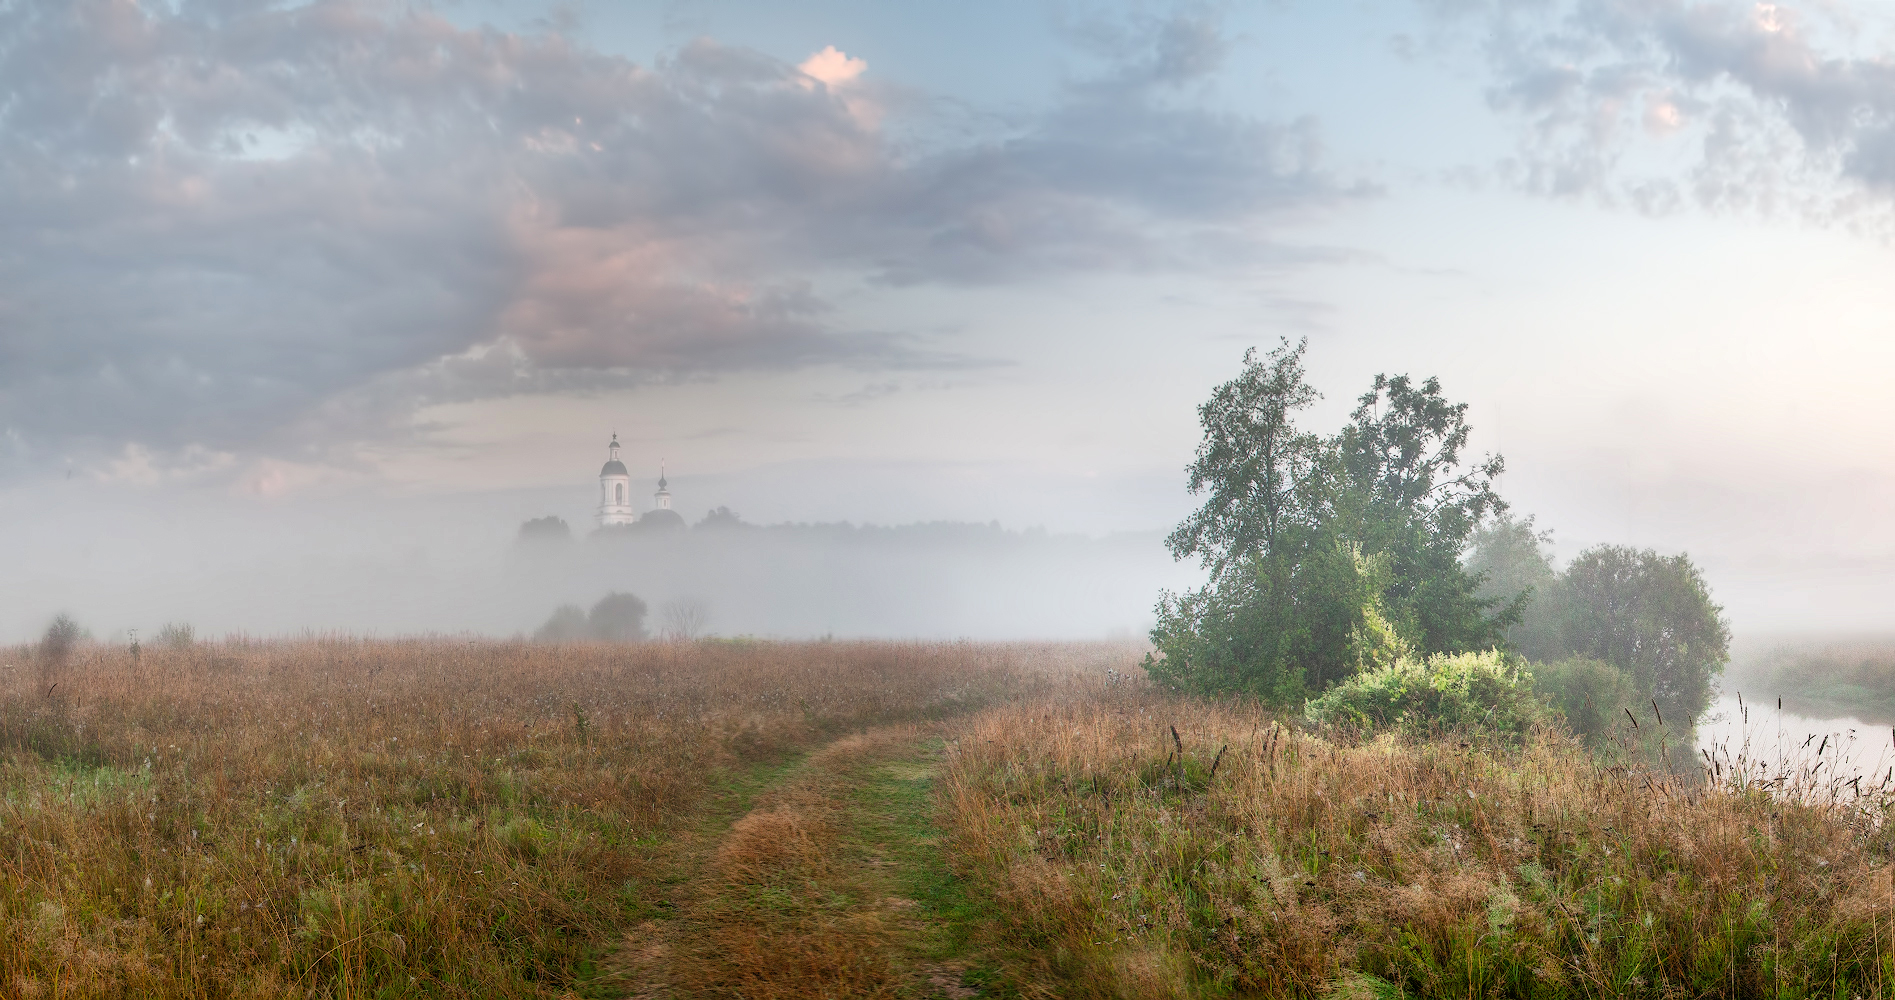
x=344, y=818
x=792, y=910
x=1388, y=866
x=818, y=891
x=336, y=818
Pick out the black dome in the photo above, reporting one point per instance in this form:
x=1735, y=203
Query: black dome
x=614, y=468
x=661, y=518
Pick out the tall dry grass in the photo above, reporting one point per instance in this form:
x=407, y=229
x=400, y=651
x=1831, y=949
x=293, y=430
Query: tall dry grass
x=347, y=818
x=1236, y=855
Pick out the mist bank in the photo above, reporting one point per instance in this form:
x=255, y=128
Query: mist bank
x=1825, y=673
x=379, y=565
x=940, y=580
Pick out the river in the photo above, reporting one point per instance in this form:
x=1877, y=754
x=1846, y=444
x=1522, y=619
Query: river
x=1756, y=728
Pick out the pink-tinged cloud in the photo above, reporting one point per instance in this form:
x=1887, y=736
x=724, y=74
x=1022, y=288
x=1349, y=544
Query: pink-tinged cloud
x=833, y=67
x=1780, y=113
x=271, y=228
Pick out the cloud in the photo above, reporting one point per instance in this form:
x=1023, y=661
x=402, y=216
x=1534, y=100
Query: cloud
x=1749, y=106
x=253, y=229
x=832, y=67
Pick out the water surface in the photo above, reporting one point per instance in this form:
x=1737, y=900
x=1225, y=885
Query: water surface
x=1739, y=723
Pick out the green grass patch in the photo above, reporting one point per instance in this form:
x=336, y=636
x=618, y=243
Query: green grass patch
x=896, y=818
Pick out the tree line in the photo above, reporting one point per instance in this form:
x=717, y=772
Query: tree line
x=1333, y=557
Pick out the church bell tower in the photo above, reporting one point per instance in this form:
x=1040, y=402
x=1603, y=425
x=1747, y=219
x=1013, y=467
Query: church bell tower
x=615, y=490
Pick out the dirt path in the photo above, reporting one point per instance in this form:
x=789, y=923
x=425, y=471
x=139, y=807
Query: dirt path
x=832, y=884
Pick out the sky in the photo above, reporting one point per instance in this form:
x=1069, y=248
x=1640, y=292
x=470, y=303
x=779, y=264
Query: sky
x=283, y=282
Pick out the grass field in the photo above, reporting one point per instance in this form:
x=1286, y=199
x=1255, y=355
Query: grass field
x=339, y=818
x=433, y=818
x=1150, y=847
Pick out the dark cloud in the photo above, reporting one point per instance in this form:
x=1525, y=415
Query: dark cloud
x=1774, y=106
x=248, y=227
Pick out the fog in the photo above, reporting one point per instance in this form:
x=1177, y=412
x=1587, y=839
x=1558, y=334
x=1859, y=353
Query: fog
x=119, y=559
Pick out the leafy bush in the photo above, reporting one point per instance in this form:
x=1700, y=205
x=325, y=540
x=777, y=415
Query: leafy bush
x=177, y=635
x=1592, y=695
x=1277, y=632
x=60, y=637
x=550, y=528
x=568, y=623
x=616, y=618
x=1447, y=691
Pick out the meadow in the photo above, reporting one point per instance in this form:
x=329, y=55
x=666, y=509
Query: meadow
x=451, y=818
x=349, y=818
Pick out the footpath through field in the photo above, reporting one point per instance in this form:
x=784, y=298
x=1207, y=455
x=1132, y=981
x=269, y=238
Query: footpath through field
x=830, y=882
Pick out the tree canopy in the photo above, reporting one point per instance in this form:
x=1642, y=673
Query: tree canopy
x=1653, y=617
x=1254, y=465
x=1512, y=560
x=1648, y=615
x=1328, y=555
x=1385, y=543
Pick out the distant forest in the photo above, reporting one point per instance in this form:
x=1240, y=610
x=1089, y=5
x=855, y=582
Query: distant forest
x=552, y=529
x=934, y=579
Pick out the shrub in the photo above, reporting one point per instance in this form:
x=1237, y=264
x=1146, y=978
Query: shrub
x=618, y=618
x=684, y=618
x=61, y=635
x=1591, y=695
x=1448, y=691
x=55, y=648
x=567, y=624
x=550, y=528
x=1276, y=630
x=177, y=635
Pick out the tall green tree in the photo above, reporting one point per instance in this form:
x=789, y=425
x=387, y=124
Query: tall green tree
x=1510, y=557
x=1327, y=555
x=1254, y=464
x=1405, y=492
x=1275, y=612
x=1652, y=616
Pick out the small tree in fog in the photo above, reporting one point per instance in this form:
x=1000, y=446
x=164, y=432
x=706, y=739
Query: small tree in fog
x=177, y=635
x=721, y=517
x=550, y=528
x=55, y=648
x=61, y=636
x=567, y=624
x=684, y=618
x=617, y=618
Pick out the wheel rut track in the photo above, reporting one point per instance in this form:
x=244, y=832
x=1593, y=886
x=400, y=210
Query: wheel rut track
x=832, y=883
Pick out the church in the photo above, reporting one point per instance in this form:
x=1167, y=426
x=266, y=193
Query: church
x=615, y=497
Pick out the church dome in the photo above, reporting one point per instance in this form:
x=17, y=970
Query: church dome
x=614, y=468
x=661, y=518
